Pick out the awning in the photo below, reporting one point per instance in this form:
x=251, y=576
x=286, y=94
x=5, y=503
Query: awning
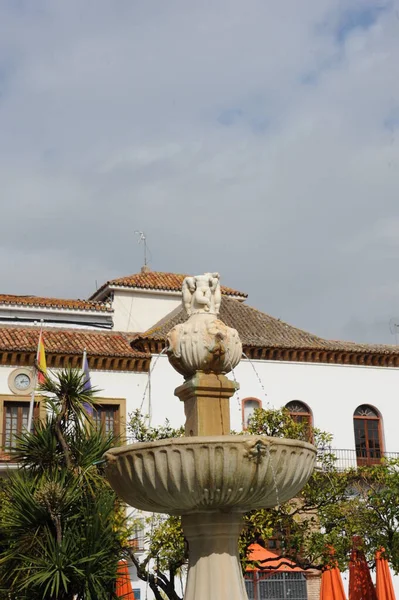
x=384, y=586
x=123, y=584
x=269, y=561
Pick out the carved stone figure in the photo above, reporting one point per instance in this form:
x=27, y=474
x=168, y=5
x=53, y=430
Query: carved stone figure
x=203, y=342
x=202, y=294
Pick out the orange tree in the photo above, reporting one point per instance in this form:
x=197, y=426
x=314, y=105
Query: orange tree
x=333, y=506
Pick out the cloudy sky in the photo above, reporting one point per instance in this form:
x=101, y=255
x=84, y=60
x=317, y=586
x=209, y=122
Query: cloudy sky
x=259, y=138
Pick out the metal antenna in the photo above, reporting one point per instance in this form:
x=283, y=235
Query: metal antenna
x=394, y=326
x=143, y=238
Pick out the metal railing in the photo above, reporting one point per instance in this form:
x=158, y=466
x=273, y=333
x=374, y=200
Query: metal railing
x=344, y=459
x=285, y=586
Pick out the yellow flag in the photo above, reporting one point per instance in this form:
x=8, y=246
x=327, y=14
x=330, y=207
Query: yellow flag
x=41, y=360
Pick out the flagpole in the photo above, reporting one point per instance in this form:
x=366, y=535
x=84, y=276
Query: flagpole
x=32, y=397
x=31, y=405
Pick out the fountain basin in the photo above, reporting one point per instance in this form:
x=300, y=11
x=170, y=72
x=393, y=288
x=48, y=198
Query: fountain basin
x=229, y=473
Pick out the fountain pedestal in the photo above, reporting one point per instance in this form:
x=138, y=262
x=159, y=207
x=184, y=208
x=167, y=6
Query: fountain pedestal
x=206, y=398
x=214, y=565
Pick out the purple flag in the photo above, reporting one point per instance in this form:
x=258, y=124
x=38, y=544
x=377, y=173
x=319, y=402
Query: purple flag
x=87, y=382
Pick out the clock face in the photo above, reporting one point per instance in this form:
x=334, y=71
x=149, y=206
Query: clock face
x=22, y=381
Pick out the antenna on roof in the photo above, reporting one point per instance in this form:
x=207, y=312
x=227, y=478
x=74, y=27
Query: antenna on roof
x=394, y=328
x=143, y=239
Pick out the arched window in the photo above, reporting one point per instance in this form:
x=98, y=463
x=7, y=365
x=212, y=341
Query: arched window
x=368, y=438
x=300, y=413
x=249, y=405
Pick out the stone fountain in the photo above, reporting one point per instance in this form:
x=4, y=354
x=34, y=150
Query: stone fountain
x=209, y=477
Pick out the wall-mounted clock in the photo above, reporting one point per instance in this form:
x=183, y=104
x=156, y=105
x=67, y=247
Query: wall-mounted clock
x=21, y=381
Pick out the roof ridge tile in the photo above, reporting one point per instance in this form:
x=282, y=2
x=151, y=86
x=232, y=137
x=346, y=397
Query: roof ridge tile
x=158, y=280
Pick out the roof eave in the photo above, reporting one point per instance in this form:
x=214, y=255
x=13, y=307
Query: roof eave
x=104, y=291
x=106, y=312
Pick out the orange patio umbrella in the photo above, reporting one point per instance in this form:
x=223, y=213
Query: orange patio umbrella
x=123, y=584
x=361, y=586
x=332, y=587
x=384, y=586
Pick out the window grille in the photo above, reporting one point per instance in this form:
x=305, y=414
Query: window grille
x=276, y=586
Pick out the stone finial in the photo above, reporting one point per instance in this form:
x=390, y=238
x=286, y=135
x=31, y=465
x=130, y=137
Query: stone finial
x=203, y=342
x=201, y=294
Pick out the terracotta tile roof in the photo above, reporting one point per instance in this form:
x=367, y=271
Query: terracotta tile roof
x=260, y=330
x=36, y=301
x=157, y=280
x=68, y=342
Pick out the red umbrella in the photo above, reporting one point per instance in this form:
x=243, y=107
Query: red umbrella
x=360, y=584
x=332, y=587
x=384, y=587
x=123, y=584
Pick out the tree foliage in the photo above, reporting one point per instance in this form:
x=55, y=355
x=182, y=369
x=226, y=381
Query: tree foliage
x=332, y=507
x=61, y=532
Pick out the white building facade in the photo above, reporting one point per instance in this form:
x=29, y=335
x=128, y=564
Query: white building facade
x=347, y=389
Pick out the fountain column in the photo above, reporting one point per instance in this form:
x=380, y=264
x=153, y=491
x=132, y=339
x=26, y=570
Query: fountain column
x=214, y=563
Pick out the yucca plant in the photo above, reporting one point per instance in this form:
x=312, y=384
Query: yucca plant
x=61, y=530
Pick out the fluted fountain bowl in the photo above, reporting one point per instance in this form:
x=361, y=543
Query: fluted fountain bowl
x=198, y=474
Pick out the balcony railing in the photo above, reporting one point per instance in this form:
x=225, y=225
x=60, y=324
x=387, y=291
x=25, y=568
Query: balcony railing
x=352, y=459
x=340, y=459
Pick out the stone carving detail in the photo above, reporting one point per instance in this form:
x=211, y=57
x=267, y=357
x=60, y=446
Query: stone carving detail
x=201, y=294
x=198, y=474
x=203, y=342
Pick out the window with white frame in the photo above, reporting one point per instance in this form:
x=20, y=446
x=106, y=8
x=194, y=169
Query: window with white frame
x=249, y=405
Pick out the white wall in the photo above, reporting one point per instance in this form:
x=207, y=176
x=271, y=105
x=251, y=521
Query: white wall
x=116, y=384
x=138, y=311
x=111, y=384
x=161, y=403
x=332, y=392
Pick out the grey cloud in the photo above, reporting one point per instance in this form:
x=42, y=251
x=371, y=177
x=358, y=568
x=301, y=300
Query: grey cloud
x=110, y=122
